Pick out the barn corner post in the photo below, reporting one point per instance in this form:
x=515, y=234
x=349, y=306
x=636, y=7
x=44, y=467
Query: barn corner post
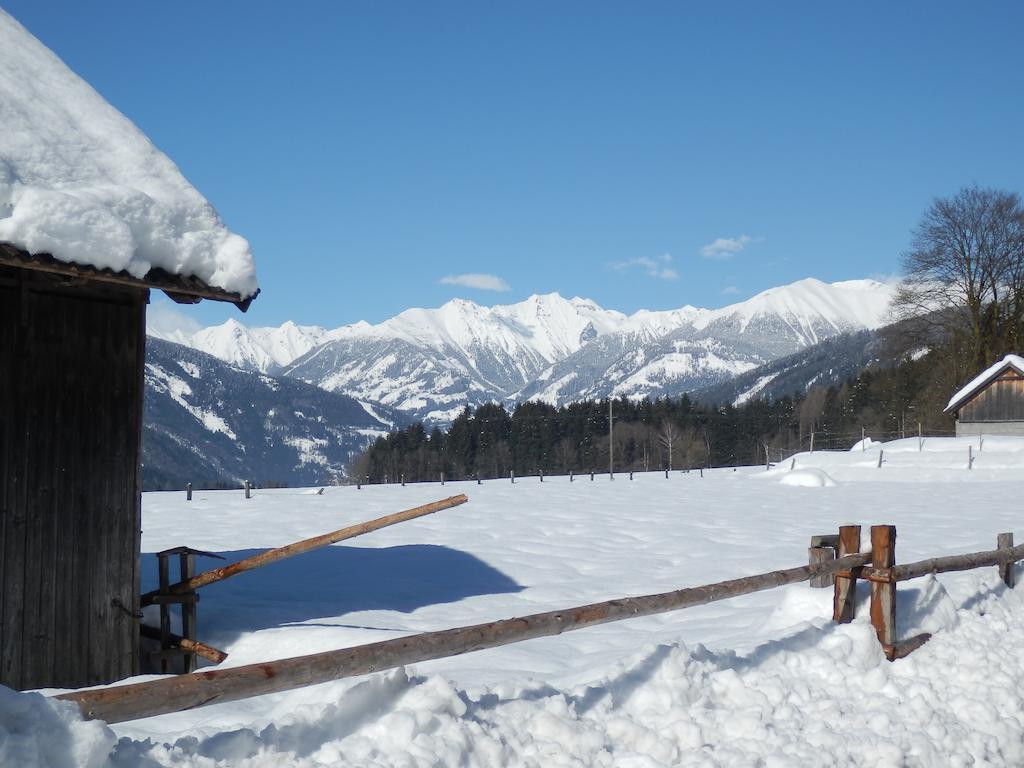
x=844, y=592
x=883, y=587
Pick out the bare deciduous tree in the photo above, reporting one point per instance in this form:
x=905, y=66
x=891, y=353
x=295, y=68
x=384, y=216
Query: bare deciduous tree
x=965, y=271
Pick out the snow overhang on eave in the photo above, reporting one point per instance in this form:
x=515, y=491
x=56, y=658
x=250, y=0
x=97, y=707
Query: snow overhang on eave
x=183, y=289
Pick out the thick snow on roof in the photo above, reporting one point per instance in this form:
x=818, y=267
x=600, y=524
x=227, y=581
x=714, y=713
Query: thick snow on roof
x=80, y=182
x=1010, y=360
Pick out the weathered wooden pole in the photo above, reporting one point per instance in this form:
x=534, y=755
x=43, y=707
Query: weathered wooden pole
x=570, y=475
x=883, y=591
x=542, y=475
x=822, y=550
x=845, y=592
x=307, y=545
x=172, y=694
x=248, y=490
x=188, y=492
x=512, y=476
x=192, y=646
x=1006, y=571
x=812, y=442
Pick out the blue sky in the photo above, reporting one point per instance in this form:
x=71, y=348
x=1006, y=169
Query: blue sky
x=642, y=155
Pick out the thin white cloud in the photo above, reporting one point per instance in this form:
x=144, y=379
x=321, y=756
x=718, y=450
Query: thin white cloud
x=729, y=290
x=478, y=281
x=725, y=247
x=657, y=267
x=164, y=319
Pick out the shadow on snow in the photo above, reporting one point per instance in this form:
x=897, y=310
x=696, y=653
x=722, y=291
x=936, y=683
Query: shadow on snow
x=330, y=582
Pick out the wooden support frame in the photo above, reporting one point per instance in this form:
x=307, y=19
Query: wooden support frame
x=883, y=591
x=844, y=594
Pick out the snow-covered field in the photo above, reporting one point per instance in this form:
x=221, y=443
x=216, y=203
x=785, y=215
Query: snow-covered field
x=764, y=679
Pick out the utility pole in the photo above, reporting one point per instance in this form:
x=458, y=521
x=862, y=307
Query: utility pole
x=611, y=445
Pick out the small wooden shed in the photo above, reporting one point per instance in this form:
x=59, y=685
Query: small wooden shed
x=72, y=345
x=993, y=402
x=92, y=217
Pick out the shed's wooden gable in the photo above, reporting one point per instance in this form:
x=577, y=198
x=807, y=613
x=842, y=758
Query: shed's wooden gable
x=1002, y=399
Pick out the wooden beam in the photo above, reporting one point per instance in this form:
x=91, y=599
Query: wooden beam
x=883, y=593
x=185, y=644
x=172, y=694
x=306, y=545
x=957, y=563
x=180, y=288
x=845, y=590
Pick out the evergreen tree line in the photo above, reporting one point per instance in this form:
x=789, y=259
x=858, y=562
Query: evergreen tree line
x=669, y=433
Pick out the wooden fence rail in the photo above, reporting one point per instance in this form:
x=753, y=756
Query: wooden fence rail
x=171, y=694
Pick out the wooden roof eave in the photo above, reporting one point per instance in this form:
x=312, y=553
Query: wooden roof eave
x=183, y=289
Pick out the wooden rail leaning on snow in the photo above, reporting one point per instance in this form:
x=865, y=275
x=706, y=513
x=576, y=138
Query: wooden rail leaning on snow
x=172, y=694
x=306, y=545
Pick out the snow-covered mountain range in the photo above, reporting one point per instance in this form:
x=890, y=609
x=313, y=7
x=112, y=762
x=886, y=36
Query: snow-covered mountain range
x=211, y=423
x=430, y=363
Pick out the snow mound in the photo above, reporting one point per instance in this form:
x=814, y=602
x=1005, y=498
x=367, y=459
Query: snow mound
x=80, y=182
x=863, y=445
x=35, y=731
x=812, y=477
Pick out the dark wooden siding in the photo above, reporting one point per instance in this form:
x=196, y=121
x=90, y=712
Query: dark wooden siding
x=70, y=422
x=1002, y=400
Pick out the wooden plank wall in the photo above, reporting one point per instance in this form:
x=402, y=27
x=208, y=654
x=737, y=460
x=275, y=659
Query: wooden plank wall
x=1002, y=400
x=71, y=361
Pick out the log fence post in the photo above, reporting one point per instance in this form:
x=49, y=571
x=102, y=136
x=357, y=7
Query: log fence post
x=822, y=550
x=1006, y=572
x=845, y=592
x=187, y=570
x=883, y=589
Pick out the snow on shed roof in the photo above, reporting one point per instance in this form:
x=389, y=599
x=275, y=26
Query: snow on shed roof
x=80, y=182
x=983, y=378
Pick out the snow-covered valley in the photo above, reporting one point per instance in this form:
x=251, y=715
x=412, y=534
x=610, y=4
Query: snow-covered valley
x=765, y=679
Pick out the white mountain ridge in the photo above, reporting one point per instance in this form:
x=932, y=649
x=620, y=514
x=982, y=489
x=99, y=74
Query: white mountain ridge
x=432, y=362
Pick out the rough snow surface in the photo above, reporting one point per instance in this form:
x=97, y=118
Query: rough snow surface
x=80, y=182
x=1015, y=361
x=765, y=679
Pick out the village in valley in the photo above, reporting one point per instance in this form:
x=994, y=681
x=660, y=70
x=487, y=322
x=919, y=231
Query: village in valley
x=778, y=528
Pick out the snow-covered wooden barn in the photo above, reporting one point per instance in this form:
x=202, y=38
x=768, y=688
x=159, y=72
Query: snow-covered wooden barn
x=992, y=403
x=92, y=217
